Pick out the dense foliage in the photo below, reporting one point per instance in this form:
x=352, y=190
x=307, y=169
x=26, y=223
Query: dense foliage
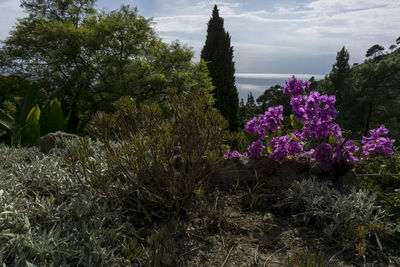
x=58, y=45
x=367, y=94
x=218, y=53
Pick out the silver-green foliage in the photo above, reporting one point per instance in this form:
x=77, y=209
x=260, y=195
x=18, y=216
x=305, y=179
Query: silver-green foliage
x=346, y=219
x=47, y=218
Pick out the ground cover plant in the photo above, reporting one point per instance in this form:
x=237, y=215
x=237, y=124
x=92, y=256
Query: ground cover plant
x=46, y=219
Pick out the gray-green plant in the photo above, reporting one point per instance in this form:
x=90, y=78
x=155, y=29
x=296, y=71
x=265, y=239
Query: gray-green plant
x=354, y=221
x=48, y=219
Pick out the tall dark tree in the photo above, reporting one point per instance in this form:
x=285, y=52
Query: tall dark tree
x=339, y=73
x=250, y=100
x=218, y=53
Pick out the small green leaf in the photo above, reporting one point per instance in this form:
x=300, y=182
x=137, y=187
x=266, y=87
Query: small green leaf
x=332, y=139
x=292, y=135
x=53, y=119
x=33, y=116
x=7, y=123
x=200, y=192
x=30, y=133
x=29, y=101
x=269, y=150
x=295, y=124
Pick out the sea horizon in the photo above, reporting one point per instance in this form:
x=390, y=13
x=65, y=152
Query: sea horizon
x=257, y=83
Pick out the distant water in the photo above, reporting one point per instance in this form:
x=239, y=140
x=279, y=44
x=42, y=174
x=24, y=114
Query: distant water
x=257, y=83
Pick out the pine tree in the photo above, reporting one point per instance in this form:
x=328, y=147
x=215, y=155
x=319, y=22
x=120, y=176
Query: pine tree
x=250, y=100
x=339, y=73
x=218, y=53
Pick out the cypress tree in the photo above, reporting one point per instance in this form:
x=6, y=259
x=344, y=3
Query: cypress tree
x=218, y=53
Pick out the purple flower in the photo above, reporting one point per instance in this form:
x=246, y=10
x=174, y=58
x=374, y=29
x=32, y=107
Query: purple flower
x=271, y=121
x=295, y=87
x=323, y=154
x=345, y=152
x=253, y=127
x=256, y=148
x=232, y=154
x=375, y=144
x=284, y=146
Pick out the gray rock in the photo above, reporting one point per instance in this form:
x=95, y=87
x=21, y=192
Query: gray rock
x=268, y=218
x=52, y=140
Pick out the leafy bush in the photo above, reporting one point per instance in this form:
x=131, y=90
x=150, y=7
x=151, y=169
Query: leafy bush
x=351, y=220
x=155, y=155
x=47, y=219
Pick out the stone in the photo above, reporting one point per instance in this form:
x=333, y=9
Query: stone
x=268, y=218
x=52, y=140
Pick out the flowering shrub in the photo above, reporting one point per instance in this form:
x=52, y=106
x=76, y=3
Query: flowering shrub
x=312, y=120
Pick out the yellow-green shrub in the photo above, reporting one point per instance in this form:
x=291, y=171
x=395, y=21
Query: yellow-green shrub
x=156, y=154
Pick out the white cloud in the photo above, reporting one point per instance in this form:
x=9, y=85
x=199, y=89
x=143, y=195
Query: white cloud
x=266, y=33
x=10, y=11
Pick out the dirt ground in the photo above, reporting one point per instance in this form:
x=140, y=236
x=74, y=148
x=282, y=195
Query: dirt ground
x=242, y=228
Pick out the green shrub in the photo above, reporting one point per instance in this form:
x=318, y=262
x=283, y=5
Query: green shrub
x=155, y=155
x=304, y=258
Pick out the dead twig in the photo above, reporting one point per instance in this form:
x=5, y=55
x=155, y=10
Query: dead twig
x=335, y=256
x=256, y=255
x=265, y=262
x=190, y=251
x=227, y=257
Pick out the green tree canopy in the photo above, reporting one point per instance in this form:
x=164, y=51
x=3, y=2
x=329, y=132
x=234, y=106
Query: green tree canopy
x=218, y=53
x=374, y=51
x=274, y=96
x=89, y=59
x=373, y=97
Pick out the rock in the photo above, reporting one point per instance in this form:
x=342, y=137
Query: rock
x=231, y=171
x=52, y=140
x=263, y=166
x=268, y=218
x=316, y=169
x=347, y=181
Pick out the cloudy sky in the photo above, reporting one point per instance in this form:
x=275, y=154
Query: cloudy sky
x=269, y=36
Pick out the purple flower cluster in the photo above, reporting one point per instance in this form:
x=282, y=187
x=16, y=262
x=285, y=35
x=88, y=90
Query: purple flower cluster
x=375, y=144
x=318, y=113
x=271, y=121
x=256, y=148
x=328, y=155
x=233, y=154
x=283, y=146
x=295, y=87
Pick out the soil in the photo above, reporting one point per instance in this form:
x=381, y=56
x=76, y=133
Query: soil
x=243, y=220
x=235, y=229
